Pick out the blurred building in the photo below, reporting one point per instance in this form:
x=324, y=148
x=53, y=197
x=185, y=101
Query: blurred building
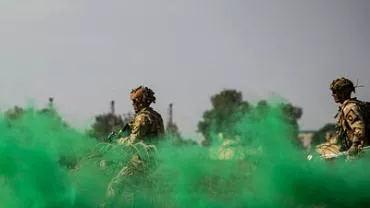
x=306, y=138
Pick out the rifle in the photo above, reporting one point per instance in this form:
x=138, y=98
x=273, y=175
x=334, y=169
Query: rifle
x=341, y=154
x=121, y=133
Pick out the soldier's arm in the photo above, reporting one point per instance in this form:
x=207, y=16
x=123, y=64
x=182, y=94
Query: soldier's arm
x=356, y=123
x=139, y=129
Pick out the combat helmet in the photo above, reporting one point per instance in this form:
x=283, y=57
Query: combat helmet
x=143, y=94
x=341, y=84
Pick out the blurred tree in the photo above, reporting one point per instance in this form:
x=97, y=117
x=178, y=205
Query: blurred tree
x=105, y=123
x=183, y=142
x=260, y=110
x=14, y=113
x=228, y=108
x=53, y=125
x=320, y=136
x=17, y=112
x=291, y=114
x=173, y=132
x=262, y=106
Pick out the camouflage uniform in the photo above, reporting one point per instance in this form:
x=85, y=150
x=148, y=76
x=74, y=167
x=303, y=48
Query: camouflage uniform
x=146, y=129
x=351, y=122
x=350, y=118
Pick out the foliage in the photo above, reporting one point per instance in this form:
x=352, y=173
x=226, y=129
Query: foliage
x=14, y=113
x=106, y=123
x=291, y=115
x=320, y=136
x=228, y=109
x=16, y=117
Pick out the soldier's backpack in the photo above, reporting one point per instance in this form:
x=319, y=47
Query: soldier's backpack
x=365, y=109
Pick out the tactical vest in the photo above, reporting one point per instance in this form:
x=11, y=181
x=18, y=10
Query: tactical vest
x=364, y=107
x=364, y=110
x=156, y=129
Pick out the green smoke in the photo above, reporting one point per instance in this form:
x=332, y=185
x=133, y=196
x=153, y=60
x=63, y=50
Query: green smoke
x=45, y=163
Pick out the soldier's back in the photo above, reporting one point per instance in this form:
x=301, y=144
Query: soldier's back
x=355, y=114
x=153, y=122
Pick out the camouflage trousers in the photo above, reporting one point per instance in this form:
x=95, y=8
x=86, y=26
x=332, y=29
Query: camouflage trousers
x=121, y=189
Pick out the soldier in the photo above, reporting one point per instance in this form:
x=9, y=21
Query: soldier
x=148, y=124
x=146, y=129
x=350, y=117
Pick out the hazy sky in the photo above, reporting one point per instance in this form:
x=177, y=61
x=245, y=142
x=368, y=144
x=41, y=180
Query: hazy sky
x=88, y=52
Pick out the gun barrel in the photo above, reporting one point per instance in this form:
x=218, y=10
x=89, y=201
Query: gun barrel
x=113, y=134
x=332, y=156
x=341, y=154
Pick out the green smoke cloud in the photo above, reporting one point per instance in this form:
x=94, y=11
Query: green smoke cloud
x=47, y=164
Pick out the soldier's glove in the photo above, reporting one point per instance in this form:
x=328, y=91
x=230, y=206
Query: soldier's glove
x=122, y=140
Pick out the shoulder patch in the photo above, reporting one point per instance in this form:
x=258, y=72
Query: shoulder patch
x=351, y=117
x=350, y=106
x=141, y=117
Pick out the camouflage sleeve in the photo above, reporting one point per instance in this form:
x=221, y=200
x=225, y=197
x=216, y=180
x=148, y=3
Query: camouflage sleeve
x=356, y=124
x=139, y=129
